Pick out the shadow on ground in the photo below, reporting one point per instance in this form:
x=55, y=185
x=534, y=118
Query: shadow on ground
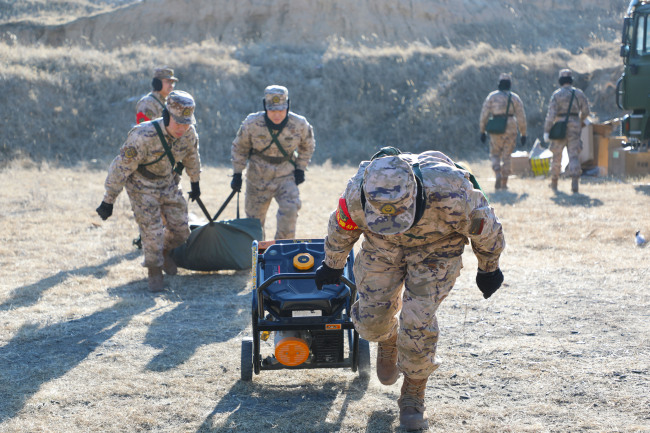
x=251, y=406
x=28, y=295
x=578, y=199
x=34, y=356
x=506, y=197
x=206, y=314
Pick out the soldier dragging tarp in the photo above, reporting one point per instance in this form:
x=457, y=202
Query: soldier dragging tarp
x=145, y=168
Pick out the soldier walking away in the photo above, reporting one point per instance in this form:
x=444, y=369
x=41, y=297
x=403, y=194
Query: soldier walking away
x=151, y=105
x=277, y=146
x=503, y=102
x=147, y=168
x=416, y=213
x=568, y=104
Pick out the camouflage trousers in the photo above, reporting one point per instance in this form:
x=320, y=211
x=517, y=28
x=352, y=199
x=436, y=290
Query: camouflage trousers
x=573, y=145
x=151, y=208
x=400, y=290
x=285, y=192
x=501, y=147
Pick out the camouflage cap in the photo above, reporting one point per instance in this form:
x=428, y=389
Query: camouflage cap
x=390, y=190
x=565, y=73
x=181, y=107
x=505, y=76
x=162, y=73
x=276, y=98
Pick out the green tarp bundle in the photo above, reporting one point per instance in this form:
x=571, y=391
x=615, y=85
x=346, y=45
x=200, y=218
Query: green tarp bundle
x=219, y=245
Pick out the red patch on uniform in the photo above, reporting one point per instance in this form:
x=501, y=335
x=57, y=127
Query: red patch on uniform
x=141, y=117
x=343, y=216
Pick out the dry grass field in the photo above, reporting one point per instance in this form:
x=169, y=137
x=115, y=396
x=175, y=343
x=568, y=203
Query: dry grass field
x=562, y=347
x=84, y=347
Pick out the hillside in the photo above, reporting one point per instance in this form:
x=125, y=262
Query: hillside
x=365, y=73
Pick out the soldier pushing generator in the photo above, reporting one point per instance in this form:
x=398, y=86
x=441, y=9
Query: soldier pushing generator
x=416, y=213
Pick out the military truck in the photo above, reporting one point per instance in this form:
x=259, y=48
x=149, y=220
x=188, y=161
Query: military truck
x=633, y=88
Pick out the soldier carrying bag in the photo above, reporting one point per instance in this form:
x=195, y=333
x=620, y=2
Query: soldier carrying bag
x=497, y=124
x=558, y=130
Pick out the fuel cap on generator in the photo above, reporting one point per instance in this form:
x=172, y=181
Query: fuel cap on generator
x=303, y=261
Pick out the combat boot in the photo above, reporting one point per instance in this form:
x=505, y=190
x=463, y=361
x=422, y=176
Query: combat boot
x=155, y=279
x=169, y=265
x=575, y=180
x=387, y=372
x=497, y=184
x=554, y=183
x=504, y=182
x=412, y=412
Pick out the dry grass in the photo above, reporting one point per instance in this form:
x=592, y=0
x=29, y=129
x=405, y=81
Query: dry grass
x=563, y=346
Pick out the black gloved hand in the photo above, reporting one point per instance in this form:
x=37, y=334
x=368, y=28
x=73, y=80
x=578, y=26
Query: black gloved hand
x=327, y=275
x=235, y=183
x=489, y=282
x=523, y=140
x=196, y=191
x=105, y=210
x=299, y=175
x=483, y=137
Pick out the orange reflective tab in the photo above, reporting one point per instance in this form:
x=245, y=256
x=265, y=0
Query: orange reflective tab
x=332, y=326
x=343, y=217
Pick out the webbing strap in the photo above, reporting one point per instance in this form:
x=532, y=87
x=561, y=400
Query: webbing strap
x=178, y=168
x=154, y=97
x=568, y=111
x=274, y=140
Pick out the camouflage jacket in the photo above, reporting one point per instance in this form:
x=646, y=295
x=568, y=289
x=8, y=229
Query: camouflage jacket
x=149, y=107
x=253, y=145
x=496, y=104
x=454, y=213
x=143, y=146
x=557, y=107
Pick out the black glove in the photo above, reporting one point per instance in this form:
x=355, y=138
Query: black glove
x=327, y=275
x=523, y=140
x=235, y=183
x=299, y=175
x=105, y=210
x=489, y=282
x=196, y=191
x=483, y=137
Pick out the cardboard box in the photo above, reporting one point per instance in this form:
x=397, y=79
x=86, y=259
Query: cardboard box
x=637, y=163
x=609, y=154
x=616, y=162
x=520, y=164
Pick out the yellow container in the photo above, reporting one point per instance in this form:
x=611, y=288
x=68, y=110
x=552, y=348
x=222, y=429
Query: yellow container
x=540, y=166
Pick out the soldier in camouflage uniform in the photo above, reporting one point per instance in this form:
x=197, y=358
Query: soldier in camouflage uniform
x=417, y=213
x=277, y=145
x=150, y=106
x=147, y=172
x=502, y=145
x=557, y=112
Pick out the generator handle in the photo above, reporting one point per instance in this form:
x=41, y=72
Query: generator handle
x=296, y=276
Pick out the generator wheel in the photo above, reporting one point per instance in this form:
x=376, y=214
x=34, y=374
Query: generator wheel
x=364, y=358
x=247, y=359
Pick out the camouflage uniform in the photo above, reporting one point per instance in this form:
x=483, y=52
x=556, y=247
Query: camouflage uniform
x=502, y=145
x=557, y=111
x=422, y=255
x=151, y=106
x=154, y=190
x=270, y=174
